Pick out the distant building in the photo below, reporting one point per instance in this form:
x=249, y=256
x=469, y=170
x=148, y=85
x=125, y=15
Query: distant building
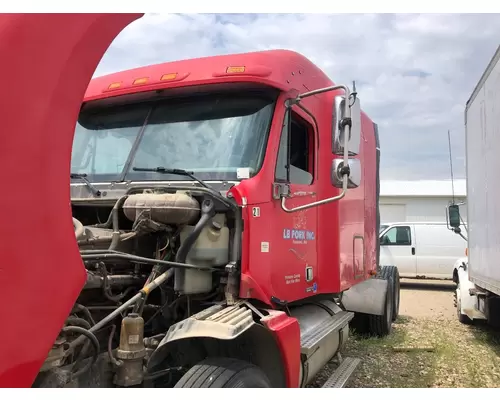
x=419, y=200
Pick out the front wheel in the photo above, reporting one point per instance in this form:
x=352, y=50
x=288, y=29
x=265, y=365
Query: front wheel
x=224, y=373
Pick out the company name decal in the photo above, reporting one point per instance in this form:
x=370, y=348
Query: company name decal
x=298, y=235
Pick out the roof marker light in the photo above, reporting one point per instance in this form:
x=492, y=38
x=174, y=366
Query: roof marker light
x=235, y=70
x=115, y=85
x=169, y=77
x=140, y=81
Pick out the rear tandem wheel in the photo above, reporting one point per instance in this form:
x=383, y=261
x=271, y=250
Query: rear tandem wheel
x=381, y=325
x=391, y=273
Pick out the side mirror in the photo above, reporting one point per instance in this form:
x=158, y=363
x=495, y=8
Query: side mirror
x=355, y=131
x=354, y=175
x=454, y=216
x=347, y=117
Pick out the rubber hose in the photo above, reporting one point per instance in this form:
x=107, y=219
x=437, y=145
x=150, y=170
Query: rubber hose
x=116, y=227
x=110, y=348
x=80, y=308
x=107, y=289
x=75, y=321
x=104, y=239
x=79, y=229
x=93, y=340
x=117, y=297
x=78, y=322
x=116, y=255
x=207, y=213
x=109, y=221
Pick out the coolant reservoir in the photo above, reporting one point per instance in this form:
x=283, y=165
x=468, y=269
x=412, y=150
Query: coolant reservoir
x=211, y=249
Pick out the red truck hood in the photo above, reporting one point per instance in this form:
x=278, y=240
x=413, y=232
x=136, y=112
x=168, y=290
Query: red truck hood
x=47, y=63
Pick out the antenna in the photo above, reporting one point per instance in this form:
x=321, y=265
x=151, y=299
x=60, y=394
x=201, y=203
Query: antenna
x=451, y=168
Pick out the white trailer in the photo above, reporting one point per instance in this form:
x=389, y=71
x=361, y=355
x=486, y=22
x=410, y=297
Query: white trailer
x=478, y=275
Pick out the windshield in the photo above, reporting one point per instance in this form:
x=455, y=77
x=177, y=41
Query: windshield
x=383, y=228
x=214, y=136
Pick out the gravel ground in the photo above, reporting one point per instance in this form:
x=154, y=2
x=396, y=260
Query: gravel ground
x=440, y=352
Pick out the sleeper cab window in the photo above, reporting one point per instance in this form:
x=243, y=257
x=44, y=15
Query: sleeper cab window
x=397, y=236
x=301, y=152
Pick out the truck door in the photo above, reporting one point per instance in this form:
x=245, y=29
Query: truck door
x=397, y=247
x=294, y=264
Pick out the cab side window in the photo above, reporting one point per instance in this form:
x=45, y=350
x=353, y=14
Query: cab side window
x=397, y=236
x=301, y=153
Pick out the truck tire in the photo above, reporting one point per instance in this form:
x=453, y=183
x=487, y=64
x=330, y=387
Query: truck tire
x=381, y=325
x=391, y=273
x=224, y=373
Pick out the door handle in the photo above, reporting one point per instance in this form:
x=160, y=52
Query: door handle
x=413, y=251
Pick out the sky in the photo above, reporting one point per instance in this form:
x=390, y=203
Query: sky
x=413, y=72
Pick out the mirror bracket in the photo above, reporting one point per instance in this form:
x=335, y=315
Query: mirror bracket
x=352, y=170
x=281, y=190
x=346, y=121
x=352, y=120
x=344, y=170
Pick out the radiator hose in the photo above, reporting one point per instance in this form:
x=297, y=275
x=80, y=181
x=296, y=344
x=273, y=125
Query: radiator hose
x=79, y=229
x=207, y=213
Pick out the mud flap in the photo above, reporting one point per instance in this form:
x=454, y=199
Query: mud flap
x=366, y=297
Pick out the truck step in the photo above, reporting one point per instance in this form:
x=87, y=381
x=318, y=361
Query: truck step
x=310, y=339
x=478, y=292
x=342, y=374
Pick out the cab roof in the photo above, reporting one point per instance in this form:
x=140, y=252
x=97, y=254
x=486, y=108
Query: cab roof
x=282, y=69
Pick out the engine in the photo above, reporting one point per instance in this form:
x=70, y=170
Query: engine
x=177, y=242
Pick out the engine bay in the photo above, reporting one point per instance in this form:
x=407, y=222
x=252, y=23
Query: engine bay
x=183, y=242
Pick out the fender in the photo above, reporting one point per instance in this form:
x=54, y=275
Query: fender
x=460, y=263
x=366, y=297
x=467, y=302
x=43, y=87
x=217, y=322
x=286, y=331
x=273, y=345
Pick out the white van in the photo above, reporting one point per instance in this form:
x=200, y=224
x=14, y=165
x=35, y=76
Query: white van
x=421, y=249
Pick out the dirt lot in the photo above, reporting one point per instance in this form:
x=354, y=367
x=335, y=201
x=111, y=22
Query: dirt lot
x=438, y=350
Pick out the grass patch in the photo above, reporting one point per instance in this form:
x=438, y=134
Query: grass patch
x=471, y=354
x=381, y=366
x=462, y=356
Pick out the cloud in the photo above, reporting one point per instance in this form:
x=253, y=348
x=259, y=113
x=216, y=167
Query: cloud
x=414, y=72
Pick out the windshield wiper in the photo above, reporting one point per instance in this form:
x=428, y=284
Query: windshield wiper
x=83, y=177
x=177, y=171
x=173, y=171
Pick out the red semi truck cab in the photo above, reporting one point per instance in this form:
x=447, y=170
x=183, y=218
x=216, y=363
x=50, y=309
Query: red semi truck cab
x=225, y=119
x=252, y=177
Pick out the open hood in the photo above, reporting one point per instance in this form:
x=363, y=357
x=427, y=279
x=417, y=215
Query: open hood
x=47, y=63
